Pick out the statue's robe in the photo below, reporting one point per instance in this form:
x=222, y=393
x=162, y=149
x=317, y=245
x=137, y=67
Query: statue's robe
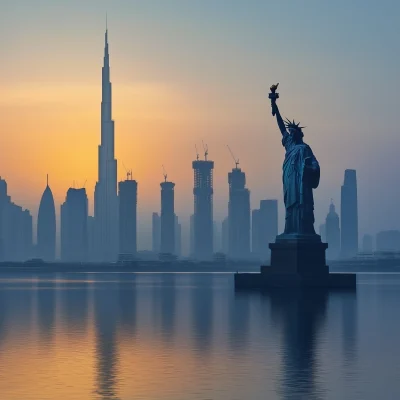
x=301, y=175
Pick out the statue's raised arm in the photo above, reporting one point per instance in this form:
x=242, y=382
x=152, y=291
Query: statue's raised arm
x=275, y=110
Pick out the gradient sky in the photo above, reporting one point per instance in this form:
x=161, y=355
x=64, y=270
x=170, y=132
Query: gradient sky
x=187, y=71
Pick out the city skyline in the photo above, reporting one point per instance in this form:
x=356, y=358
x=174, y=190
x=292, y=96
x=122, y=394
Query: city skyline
x=38, y=93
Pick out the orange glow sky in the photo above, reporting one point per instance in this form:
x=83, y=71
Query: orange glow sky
x=187, y=72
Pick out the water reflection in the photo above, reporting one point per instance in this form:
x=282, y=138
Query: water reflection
x=46, y=290
x=300, y=315
x=239, y=319
x=126, y=336
x=202, y=297
x=106, y=317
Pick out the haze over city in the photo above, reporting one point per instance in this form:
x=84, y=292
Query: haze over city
x=187, y=72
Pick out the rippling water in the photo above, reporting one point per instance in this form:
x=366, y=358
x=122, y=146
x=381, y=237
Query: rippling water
x=189, y=336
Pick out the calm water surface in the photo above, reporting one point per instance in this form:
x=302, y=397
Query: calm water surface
x=190, y=337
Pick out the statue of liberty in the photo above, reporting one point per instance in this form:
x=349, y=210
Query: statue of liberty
x=301, y=175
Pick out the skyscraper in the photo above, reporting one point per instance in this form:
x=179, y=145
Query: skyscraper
x=203, y=208
x=15, y=229
x=74, y=226
x=225, y=235
x=105, y=195
x=255, y=236
x=128, y=216
x=167, y=218
x=46, y=226
x=239, y=215
x=265, y=228
x=178, y=237
x=349, y=215
x=332, y=230
x=191, y=236
x=156, y=232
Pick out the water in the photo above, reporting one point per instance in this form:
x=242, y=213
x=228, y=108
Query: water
x=190, y=337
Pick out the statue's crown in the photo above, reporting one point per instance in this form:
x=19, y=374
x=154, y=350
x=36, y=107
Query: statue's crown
x=293, y=125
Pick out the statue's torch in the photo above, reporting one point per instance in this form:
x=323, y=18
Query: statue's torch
x=273, y=96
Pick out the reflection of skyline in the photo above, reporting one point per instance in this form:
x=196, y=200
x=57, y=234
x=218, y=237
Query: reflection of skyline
x=202, y=311
x=74, y=301
x=122, y=345
x=239, y=319
x=106, y=317
x=127, y=299
x=164, y=305
x=301, y=316
x=46, y=307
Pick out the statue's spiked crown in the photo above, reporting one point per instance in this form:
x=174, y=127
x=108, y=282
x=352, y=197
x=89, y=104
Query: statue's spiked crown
x=293, y=125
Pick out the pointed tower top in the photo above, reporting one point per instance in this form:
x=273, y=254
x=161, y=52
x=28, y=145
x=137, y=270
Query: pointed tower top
x=332, y=207
x=47, y=180
x=106, y=23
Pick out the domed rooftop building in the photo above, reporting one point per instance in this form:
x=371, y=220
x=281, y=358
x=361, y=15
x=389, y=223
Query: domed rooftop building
x=46, y=226
x=332, y=227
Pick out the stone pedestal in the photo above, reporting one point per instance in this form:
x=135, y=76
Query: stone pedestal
x=296, y=261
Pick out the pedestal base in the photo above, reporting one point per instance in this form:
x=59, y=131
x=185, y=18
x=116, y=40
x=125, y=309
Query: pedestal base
x=296, y=261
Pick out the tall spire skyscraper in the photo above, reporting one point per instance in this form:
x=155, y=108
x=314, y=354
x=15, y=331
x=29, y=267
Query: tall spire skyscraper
x=105, y=195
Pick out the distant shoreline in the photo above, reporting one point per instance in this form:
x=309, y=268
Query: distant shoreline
x=353, y=266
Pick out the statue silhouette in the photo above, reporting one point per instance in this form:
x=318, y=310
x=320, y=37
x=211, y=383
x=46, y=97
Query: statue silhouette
x=301, y=175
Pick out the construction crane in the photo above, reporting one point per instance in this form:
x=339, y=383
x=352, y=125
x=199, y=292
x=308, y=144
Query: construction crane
x=164, y=173
x=234, y=159
x=197, y=152
x=128, y=173
x=205, y=147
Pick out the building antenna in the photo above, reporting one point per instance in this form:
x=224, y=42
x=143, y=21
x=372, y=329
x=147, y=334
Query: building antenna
x=84, y=184
x=164, y=173
x=205, y=147
x=234, y=159
x=197, y=152
x=47, y=179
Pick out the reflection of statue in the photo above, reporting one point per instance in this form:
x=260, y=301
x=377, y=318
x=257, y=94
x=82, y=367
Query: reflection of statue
x=300, y=175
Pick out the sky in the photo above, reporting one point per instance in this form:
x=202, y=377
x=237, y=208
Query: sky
x=184, y=72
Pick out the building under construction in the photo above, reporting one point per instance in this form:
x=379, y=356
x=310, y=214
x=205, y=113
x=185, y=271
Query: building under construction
x=239, y=215
x=128, y=217
x=167, y=217
x=203, y=208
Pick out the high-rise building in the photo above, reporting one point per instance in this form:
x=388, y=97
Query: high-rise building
x=92, y=239
x=203, y=209
x=15, y=229
x=332, y=229
x=167, y=218
x=105, y=195
x=349, y=215
x=127, y=195
x=216, y=237
x=239, y=215
x=74, y=226
x=156, y=232
x=46, y=226
x=255, y=227
x=178, y=237
x=225, y=235
x=191, y=236
x=367, y=244
x=265, y=228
